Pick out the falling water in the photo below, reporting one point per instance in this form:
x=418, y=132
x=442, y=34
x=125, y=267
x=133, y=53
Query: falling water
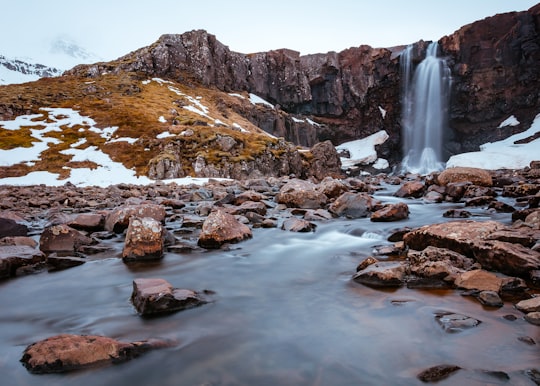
x=425, y=97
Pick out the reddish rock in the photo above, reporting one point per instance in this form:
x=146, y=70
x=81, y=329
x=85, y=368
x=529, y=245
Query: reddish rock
x=411, y=189
x=455, y=235
x=144, y=239
x=437, y=373
x=455, y=190
x=249, y=206
x=87, y=221
x=465, y=174
x=480, y=280
x=12, y=257
x=391, y=212
x=353, y=205
x=19, y=240
x=157, y=296
x=332, y=187
x=63, y=353
x=220, y=228
x=248, y=195
x=507, y=258
x=529, y=305
x=301, y=194
x=118, y=219
x=382, y=274
x=317, y=215
x=438, y=264
x=62, y=238
x=9, y=227
x=294, y=224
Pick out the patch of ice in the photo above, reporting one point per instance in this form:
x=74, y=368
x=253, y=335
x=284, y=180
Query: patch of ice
x=165, y=134
x=123, y=139
x=313, y=123
x=383, y=112
x=162, y=119
x=297, y=120
x=381, y=163
x=237, y=95
x=238, y=127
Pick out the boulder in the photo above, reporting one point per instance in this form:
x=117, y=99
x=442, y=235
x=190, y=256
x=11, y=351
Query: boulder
x=332, y=187
x=62, y=238
x=157, y=296
x=533, y=318
x=145, y=238
x=382, y=274
x=247, y=207
x=353, y=205
x=301, y=194
x=465, y=174
x=439, y=265
x=9, y=227
x=118, y=219
x=510, y=259
x=221, y=227
x=529, y=305
x=63, y=353
x=490, y=299
x=479, y=280
x=391, y=212
x=294, y=224
x=411, y=189
x=87, y=221
x=317, y=215
x=12, y=257
x=452, y=322
x=457, y=236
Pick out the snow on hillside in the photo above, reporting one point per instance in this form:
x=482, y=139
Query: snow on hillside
x=362, y=152
x=503, y=154
x=107, y=171
x=14, y=71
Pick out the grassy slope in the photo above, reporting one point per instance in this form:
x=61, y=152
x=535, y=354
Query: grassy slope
x=124, y=101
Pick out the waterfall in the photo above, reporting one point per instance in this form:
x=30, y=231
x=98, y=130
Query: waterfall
x=425, y=96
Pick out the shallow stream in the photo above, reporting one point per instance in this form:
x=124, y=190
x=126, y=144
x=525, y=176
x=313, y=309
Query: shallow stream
x=285, y=312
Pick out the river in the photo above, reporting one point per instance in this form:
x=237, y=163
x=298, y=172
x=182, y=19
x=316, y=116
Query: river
x=285, y=312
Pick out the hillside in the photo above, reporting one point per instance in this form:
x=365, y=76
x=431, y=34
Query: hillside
x=154, y=127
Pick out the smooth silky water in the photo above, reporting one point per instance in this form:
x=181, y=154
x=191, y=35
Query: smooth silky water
x=285, y=312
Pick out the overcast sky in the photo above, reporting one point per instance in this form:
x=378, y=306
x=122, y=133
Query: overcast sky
x=112, y=28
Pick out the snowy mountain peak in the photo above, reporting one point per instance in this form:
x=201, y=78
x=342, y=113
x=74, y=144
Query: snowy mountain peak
x=19, y=71
x=65, y=46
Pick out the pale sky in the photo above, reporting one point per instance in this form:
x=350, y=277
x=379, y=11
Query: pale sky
x=112, y=28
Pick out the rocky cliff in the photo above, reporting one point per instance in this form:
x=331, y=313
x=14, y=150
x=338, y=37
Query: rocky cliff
x=495, y=66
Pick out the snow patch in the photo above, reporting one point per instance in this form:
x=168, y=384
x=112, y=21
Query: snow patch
x=254, y=99
x=162, y=119
x=505, y=154
x=165, y=134
x=298, y=120
x=510, y=121
x=383, y=112
x=362, y=151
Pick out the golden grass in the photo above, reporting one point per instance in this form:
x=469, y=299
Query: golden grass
x=123, y=101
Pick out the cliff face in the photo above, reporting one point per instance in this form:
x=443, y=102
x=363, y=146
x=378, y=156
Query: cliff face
x=495, y=66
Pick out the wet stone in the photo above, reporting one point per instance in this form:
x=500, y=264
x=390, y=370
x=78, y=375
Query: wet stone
x=452, y=322
x=533, y=318
x=437, y=373
x=490, y=299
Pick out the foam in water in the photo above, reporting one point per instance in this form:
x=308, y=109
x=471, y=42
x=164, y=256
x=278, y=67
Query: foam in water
x=425, y=98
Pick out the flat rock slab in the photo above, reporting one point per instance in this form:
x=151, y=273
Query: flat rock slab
x=63, y=353
x=529, y=305
x=13, y=257
x=437, y=373
x=157, y=296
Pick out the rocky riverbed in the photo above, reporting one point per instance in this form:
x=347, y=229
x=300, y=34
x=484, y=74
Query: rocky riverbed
x=492, y=259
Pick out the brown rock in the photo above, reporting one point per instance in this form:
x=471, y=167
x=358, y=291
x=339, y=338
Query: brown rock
x=455, y=235
x=9, y=227
x=249, y=195
x=325, y=161
x=118, y=219
x=63, y=353
x=391, y=212
x=62, y=238
x=465, y=174
x=12, y=257
x=144, y=239
x=437, y=373
x=332, y=187
x=507, y=258
x=529, y=305
x=438, y=264
x=294, y=224
x=19, y=240
x=249, y=206
x=88, y=221
x=156, y=296
x=479, y=280
x=382, y=274
x=301, y=194
x=411, y=189
x=220, y=228
x=353, y=205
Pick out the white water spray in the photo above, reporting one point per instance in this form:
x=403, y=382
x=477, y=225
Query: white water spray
x=425, y=98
